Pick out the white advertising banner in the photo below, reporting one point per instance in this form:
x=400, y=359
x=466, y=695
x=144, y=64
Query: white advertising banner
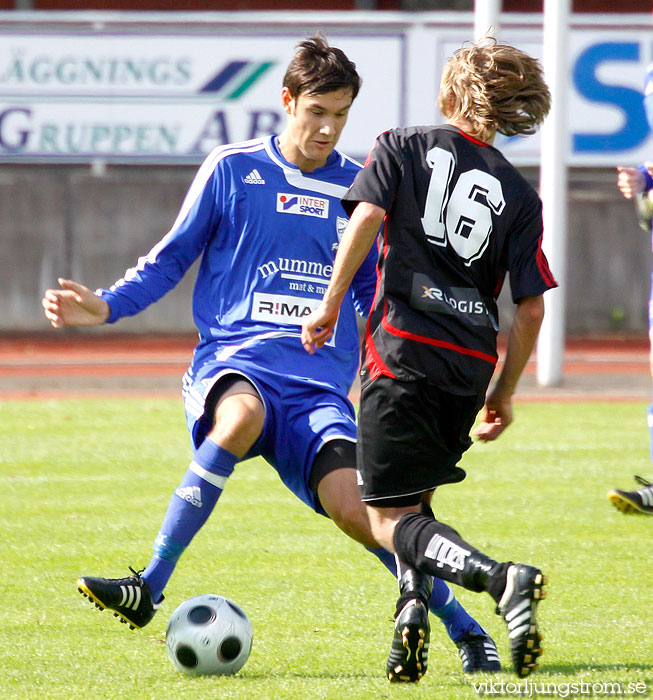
x=171, y=94
x=606, y=119
x=159, y=98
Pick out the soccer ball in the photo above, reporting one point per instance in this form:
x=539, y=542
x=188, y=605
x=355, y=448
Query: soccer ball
x=209, y=635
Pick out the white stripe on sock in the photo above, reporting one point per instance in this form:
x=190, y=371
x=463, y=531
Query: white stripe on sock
x=215, y=479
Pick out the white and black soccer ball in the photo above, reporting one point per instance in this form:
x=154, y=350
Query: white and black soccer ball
x=209, y=635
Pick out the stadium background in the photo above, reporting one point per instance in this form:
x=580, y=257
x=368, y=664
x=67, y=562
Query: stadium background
x=92, y=218
x=83, y=481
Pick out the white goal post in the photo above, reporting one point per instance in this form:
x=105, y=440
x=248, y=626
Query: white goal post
x=553, y=173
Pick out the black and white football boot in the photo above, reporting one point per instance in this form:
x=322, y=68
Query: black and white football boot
x=517, y=606
x=408, y=658
x=479, y=654
x=129, y=598
x=640, y=501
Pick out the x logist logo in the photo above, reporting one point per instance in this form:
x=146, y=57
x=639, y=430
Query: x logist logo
x=305, y=206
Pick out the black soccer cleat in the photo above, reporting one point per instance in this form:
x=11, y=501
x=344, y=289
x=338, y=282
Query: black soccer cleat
x=408, y=657
x=478, y=653
x=129, y=598
x=638, y=502
x=517, y=606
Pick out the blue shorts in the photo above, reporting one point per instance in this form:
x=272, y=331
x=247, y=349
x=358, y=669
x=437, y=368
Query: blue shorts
x=300, y=416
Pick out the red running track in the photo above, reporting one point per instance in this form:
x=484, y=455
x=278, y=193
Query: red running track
x=74, y=364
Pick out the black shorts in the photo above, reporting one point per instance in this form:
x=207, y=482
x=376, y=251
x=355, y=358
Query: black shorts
x=411, y=436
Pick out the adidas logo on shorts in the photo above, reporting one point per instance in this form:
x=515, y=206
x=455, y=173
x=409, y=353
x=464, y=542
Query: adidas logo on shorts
x=192, y=494
x=254, y=178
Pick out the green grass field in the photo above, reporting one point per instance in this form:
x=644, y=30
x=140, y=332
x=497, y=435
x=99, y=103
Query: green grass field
x=84, y=485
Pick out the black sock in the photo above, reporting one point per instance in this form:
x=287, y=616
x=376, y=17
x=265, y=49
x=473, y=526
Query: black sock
x=496, y=583
x=437, y=549
x=425, y=509
x=412, y=584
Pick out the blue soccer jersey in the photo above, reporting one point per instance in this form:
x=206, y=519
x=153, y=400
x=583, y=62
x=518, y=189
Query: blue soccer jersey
x=268, y=234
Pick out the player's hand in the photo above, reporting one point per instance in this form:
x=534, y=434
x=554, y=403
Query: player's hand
x=74, y=305
x=497, y=416
x=318, y=328
x=630, y=181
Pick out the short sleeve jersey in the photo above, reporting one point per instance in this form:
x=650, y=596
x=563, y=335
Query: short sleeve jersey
x=459, y=216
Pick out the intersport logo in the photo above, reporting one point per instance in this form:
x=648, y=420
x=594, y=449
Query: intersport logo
x=299, y=204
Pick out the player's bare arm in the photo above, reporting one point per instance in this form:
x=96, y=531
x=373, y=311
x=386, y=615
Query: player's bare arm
x=353, y=249
x=497, y=413
x=74, y=305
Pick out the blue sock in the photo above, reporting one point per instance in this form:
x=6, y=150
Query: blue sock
x=189, y=508
x=442, y=603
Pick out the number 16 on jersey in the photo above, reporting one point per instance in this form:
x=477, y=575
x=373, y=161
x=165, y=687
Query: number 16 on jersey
x=463, y=216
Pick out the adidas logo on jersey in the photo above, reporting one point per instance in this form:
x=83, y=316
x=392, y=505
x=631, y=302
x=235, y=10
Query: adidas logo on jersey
x=254, y=178
x=192, y=494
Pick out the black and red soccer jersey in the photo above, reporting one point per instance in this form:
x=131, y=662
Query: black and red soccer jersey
x=459, y=216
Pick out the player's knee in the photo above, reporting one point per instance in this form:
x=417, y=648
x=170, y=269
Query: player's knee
x=383, y=536
x=238, y=423
x=382, y=526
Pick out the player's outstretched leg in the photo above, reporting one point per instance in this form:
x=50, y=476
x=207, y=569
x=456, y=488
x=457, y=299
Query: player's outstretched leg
x=640, y=501
x=408, y=659
x=129, y=598
x=436, y=548
x=477, y=649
